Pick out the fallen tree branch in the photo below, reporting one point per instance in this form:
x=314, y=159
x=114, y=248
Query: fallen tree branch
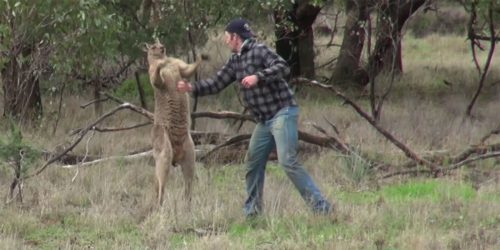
x=212, y=137
x=126, y=157
x=487, y=136
x=446, y=169
x=327, y=141
x=407, y=172
x=68, y=158
x=84, y=131
x=475, y=149
x=222, y=115
x=207, y=137
x=320, y=141
x=407, y=151
x=477, y=158
x=231, y=141
x=482, y=151
x=472, y=150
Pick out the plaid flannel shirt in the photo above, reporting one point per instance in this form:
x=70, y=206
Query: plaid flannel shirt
x=271, y=93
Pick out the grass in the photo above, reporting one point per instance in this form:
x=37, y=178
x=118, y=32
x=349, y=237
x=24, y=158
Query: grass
x=108, y=206
x=364, y=218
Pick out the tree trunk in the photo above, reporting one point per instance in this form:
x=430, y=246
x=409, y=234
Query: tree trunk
x=296, y=44
x=305, y=16
x=22, y=98
x=286, y=41
x=348, y=70
x=387, y=54
x=97, y=95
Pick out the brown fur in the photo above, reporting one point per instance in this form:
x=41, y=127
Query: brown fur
x=172, y=142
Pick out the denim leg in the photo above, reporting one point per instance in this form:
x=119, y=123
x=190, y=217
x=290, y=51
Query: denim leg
x=261, y=144
x=284, y=129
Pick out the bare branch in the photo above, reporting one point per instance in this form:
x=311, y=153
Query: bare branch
x=487, y=136
x=84, y=131
x=112, y=97
x=482, y=152
x=332, y=125
x=92, y=102
x=470, y=160
x=137, y=109
x=407, y=151
x=222, y=115
x=126, y=157
x=207, y=137
x=407, y=172
x=488, y=61
x=444, y=170
x=331, y=141
x=231, y=141
x=113, y=129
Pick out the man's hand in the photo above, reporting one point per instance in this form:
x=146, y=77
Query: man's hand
x=249, y=81
x=184, y=86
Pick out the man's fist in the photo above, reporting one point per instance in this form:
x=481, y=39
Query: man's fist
x=184, y=86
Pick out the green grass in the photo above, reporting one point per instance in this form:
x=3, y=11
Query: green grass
x=382, y=215
x=425, y=190
x=276, y=231
x=429, y=190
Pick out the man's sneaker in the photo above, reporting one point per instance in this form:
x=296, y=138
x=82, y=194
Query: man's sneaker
x=323, y=208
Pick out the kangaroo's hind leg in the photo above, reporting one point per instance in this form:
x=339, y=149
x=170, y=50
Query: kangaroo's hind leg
x=187, y=164
x=162, y=153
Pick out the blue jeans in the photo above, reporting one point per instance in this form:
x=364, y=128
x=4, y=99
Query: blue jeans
x=280, y=131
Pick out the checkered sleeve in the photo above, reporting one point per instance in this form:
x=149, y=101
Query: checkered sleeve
x=275, y=67
x=215, y=84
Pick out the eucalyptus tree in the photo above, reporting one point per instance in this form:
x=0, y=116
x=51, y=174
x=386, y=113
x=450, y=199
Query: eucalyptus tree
x=41, y=40
x=391, y=18
x=293, y=22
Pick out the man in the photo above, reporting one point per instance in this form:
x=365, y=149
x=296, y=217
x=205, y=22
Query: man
x=260, y=72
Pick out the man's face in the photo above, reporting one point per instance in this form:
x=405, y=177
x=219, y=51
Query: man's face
x=232, y=41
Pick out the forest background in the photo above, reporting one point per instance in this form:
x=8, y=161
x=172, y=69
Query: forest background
x=399, y=125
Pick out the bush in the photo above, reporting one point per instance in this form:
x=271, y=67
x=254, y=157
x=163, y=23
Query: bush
x=17, y=152
x=128, y=89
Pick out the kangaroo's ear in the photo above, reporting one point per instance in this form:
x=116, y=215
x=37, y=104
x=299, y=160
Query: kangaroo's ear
x=145, y=47
x=157, y=40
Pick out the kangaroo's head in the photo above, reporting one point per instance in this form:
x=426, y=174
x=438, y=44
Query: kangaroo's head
x=155, y=50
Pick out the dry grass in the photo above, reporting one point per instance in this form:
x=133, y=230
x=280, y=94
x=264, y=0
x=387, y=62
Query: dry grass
x=109, y=205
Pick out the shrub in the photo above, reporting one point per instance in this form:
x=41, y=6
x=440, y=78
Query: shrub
x=128, y=89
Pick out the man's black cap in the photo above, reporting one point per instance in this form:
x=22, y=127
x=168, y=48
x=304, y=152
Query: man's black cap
x=241, y=27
